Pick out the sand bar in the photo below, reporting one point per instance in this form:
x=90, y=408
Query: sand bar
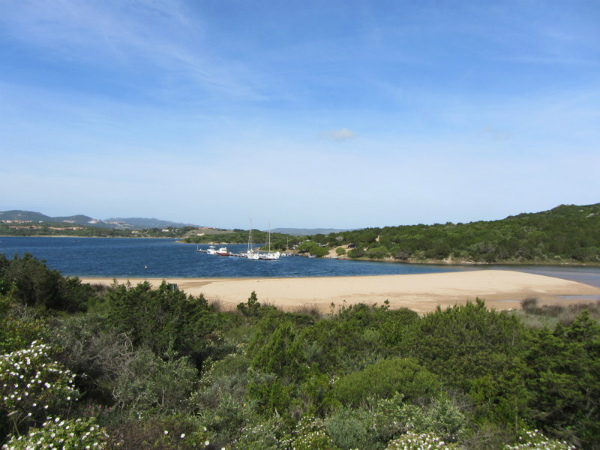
x=501, y=289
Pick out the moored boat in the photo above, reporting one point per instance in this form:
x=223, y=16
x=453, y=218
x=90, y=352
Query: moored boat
x=269, y=256
x=223, y=252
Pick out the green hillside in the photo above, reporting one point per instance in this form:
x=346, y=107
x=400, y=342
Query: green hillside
x=565, y=234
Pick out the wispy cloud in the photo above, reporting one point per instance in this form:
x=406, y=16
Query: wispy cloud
x=167, y=46
x=341, y=135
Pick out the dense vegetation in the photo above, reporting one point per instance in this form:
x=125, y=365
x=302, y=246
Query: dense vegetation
x=62, y=229
x=566, y=234
x=130, y=367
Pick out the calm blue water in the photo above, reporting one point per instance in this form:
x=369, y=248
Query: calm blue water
x=117, y=257
x=164, y=258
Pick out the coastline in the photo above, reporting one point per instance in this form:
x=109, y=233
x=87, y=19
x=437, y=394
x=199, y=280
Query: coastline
x=332, y=255
x=501, y=290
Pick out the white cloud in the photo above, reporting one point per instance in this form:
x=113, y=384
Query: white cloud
x=343, y=134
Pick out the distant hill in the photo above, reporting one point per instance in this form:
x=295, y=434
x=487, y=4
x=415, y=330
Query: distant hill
x=307, y=231
x=30, y=216
x=134, y=223
x=142, y=223
x=26, y=216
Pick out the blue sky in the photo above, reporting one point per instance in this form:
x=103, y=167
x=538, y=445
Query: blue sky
x=342, y=114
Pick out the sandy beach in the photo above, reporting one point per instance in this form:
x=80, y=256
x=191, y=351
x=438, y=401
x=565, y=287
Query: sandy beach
x=501, y=289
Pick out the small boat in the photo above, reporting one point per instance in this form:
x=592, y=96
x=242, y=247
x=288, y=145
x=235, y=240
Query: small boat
x=251, y=254
x=211, y=250
x=269, y=255
x=223, y=252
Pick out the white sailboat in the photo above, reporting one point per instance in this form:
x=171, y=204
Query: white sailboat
x=251, y=254
x=269, y=256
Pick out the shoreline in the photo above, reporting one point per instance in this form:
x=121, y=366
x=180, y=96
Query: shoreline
x=501, y=290
x=438, y=262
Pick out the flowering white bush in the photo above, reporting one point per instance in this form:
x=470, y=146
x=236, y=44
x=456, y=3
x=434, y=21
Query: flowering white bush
x=310, y=434
x=62, y=434
x=264, y=435
x=535, y=440
x=416, y=441
x=33, y=385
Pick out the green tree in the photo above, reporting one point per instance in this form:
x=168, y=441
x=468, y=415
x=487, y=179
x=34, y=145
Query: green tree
x=33, y=284
x=565, y=381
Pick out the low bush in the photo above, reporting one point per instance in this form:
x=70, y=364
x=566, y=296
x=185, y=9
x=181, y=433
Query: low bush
x=384, y=379
x=33, y=385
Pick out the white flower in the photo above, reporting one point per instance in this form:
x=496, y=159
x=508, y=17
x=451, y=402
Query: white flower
x=182, y=435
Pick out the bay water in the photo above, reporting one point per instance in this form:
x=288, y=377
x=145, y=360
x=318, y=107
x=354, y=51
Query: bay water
x=167, y=258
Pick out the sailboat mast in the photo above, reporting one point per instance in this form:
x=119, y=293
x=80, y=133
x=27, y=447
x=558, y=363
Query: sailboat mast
x=250, y=238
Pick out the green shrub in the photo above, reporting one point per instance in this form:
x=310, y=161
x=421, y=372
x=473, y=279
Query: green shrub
x=149, y=383
x=351, y=428
x=170, y=432
x=357, y=252
x=165, y=318
x=251, y=308
x=19, y=325
x=33, y=284
x=282, y=353
x=377, y=252
x=262, y=434
x=384, y=379
x=97, y=353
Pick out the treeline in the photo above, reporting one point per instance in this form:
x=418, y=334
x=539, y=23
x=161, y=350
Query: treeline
x=278, y=241
x=132, y=367
x=567, y=233
x=62, y=229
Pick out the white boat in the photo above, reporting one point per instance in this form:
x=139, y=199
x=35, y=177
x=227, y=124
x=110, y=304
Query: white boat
x=223, y=252
x=269, y=255
x=211, y=250
x=251, y=254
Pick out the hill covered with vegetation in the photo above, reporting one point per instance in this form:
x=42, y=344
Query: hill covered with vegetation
x=19, y=218
x=565, y=234
x=132, y=368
